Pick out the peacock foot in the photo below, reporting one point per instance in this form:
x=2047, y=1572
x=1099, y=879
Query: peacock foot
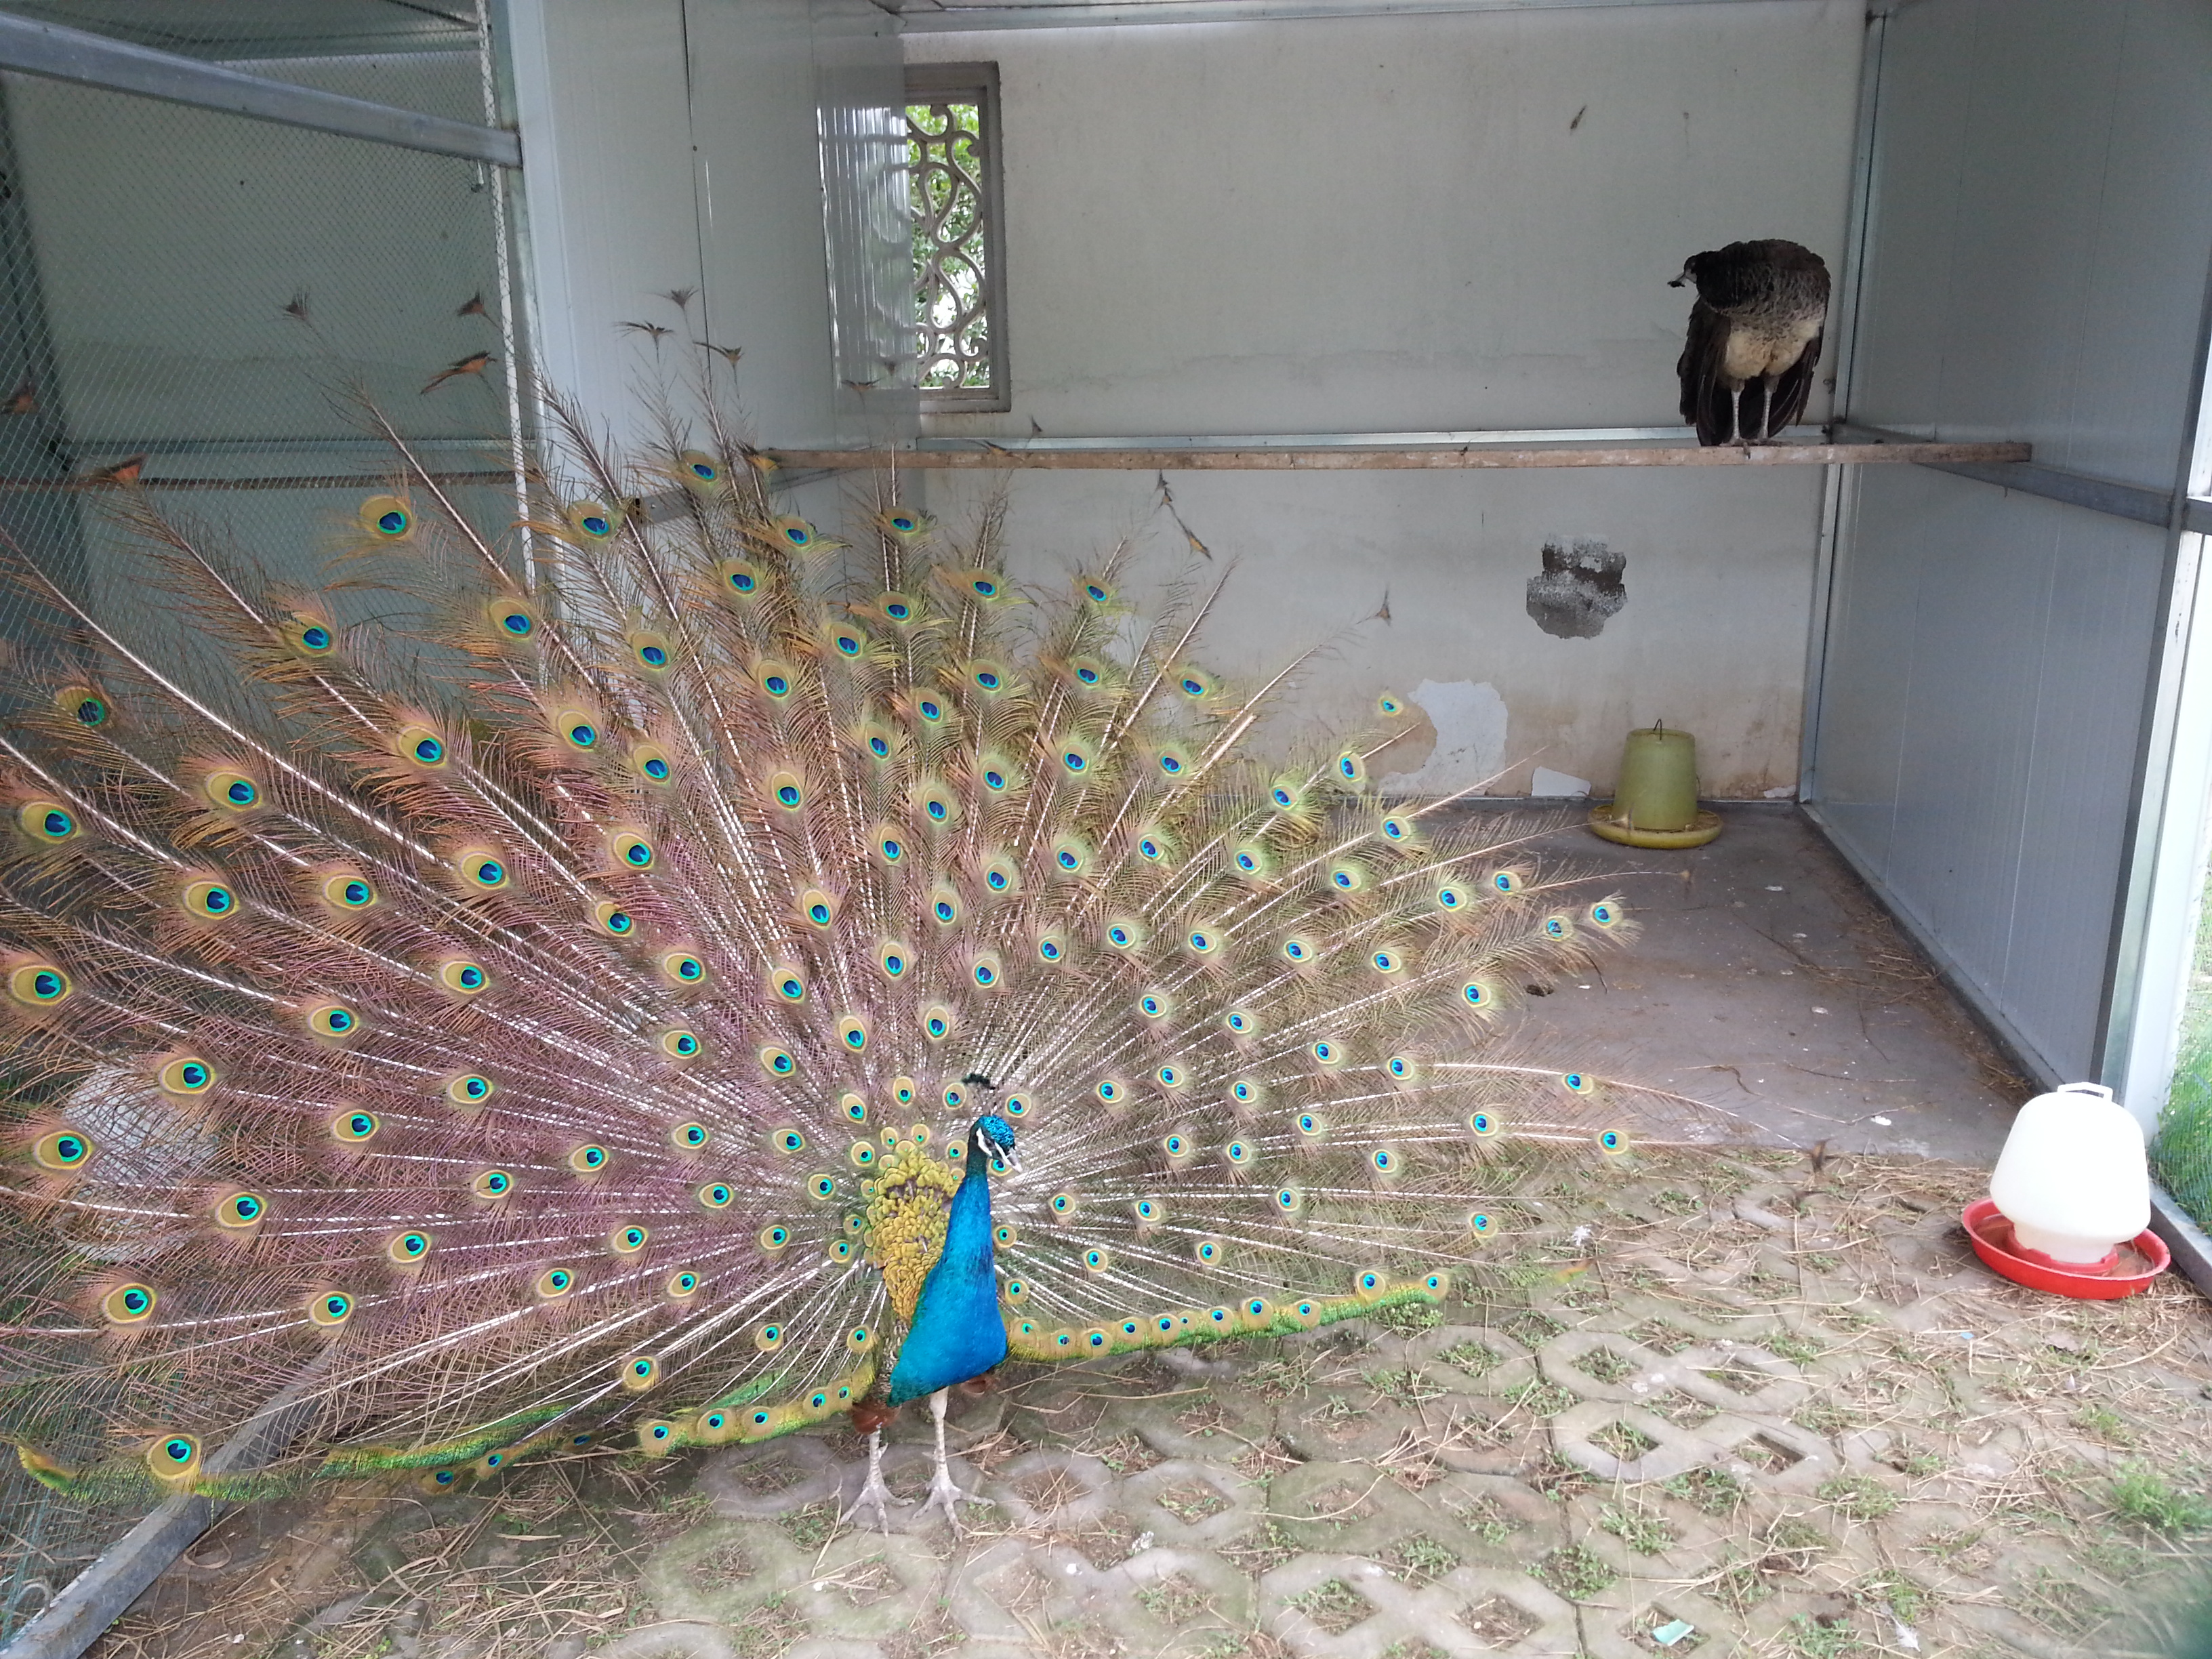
x=874, y=1501
x=945, y=1496
x=874, y=1496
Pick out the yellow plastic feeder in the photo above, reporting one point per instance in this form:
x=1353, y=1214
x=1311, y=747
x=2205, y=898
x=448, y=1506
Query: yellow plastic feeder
x=1656, y=802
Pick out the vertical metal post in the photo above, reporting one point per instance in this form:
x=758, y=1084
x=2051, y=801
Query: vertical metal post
x=518, y=454
x=1839, y=489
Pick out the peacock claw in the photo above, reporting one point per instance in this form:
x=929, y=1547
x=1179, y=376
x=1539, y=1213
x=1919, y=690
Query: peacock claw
x=874, y=1495
x=945, y=1496
x=875, y=1499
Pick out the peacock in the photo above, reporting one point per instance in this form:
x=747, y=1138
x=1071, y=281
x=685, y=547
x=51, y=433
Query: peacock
x=594, y=997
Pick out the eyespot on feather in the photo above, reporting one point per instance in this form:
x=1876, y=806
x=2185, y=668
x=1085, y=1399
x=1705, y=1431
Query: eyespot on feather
x=208, y=900
x=740, y=581
x=330, y=1309
x=186, y=1076
x=700, y=474
x=462, y=976
x=513, y=622
x=40, y=984
x=482, y=870
x=592, y=522
x=62, y=1152
x=128, y=1304
x=354, y=1125
x=651, y=652
x=173, y=1458
x=240, y=1210
x=48, y=823
x=420, y=747
x=85, y=705
x=231, y=791
x=333, y=1019
x=348, y=890
x=681, y=967
x=386, y=518
x=305, y=635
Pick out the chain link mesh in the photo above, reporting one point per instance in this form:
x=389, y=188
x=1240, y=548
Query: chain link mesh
x=198, y=306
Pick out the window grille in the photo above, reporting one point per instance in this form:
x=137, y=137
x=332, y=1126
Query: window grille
x=959, y=265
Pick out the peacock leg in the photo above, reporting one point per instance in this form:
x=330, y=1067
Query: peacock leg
x=943, y=1494
x=875, y=1496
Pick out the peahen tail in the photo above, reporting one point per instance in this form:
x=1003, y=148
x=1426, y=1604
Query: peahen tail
x=557, y=1020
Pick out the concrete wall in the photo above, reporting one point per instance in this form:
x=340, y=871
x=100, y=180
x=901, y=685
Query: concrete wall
x=1417, y=223
x=2040, y=230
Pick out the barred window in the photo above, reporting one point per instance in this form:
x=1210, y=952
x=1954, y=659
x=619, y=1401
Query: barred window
x=959, y=303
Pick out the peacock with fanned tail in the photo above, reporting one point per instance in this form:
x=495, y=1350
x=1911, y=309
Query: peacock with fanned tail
x=608, y=1013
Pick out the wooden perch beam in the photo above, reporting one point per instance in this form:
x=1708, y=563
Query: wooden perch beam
x=993, y=457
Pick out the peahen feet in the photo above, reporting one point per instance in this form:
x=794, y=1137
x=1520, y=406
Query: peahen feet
x=874, y=1497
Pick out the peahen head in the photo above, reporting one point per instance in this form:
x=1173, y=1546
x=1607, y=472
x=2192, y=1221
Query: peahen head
x=992, y=1136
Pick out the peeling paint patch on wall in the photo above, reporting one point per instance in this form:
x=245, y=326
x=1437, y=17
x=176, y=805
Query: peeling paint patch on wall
x=1580, y=586
x=1470, y=723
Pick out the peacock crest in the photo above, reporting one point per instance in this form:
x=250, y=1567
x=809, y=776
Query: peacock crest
x=571, y=1013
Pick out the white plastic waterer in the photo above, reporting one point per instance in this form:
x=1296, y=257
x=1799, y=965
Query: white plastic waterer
x=2072, y=1179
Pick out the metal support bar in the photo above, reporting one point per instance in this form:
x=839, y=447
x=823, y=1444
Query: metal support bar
x=96, y=1597
x=2107, y=496
x=95, y=60
x=925, y=17
x=1197, y=457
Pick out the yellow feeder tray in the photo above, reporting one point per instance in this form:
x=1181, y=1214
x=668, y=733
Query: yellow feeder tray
x=1656, y=802
x=1609, y=822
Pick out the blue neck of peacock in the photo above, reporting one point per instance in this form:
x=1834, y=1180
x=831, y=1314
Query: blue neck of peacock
x=968, y=1225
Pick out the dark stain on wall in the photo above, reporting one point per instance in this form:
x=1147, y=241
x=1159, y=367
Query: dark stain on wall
x=1579, y=588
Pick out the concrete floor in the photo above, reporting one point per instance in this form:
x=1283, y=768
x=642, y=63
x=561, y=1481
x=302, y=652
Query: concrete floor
x=1768, y=981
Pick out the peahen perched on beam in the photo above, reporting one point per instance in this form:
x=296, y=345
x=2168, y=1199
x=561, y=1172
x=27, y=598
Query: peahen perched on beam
x=612, y=1011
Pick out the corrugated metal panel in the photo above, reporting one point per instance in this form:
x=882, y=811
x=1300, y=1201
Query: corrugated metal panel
x=2040, y=221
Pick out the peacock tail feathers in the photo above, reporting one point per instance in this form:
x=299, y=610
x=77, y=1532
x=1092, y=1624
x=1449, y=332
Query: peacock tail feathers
x=557, y=1016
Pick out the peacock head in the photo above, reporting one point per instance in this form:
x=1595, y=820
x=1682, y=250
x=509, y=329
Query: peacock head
x=992, y=1136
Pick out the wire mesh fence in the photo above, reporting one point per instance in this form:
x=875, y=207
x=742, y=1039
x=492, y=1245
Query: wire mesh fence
x=197, y=310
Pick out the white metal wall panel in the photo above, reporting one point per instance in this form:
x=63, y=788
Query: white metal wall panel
x=1987, y=654
x=2040, y=222
x=2039, y=216
x=673, y=145
x=601, y=102
x=1398, y=222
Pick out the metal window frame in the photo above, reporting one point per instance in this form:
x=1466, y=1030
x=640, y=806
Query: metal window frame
x=935, y=82
x=58, y=53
